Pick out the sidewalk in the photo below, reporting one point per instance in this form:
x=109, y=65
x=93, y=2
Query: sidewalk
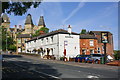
x=85, y=65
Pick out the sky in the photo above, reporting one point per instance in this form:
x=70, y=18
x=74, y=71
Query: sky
x=92, y=16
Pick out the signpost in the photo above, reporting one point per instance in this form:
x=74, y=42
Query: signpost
x=65, y=44
x=104, y=40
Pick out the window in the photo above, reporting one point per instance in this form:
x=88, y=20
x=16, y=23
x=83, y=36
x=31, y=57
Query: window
x=91, y=51
x=41, y=41
x=98, y=50
x=91, y=42
x=83, y=51
x=46, y=40
x=52, y=39
x=19, y=41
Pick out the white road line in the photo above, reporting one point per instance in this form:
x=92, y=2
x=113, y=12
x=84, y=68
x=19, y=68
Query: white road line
x=91, y=76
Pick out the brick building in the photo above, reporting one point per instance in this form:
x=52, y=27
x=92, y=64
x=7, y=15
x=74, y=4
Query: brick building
x=109, y=46
x=88, y=44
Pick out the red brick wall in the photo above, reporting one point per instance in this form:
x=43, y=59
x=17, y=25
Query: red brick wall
x=109, y=46
x=85, y=44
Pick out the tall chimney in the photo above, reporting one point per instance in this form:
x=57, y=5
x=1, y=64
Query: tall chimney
x=15, y=28
x=69, y=29
x=20, y=27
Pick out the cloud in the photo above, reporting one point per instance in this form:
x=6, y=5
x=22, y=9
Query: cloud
x=81, y=4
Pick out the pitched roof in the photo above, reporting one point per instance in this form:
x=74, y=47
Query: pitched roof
x=61, y=31
x=87, y=36
x=24, y=36
x=5, y=18
x=29, y=19
x=99, y=32
x=41, y=21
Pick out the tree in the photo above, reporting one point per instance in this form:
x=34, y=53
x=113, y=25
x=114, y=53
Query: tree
x=6, y=38
x=18, y=8
x=117, y=54
x=83, y=31
x=38, y=32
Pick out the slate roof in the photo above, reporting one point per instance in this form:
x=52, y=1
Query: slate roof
x=41, y=21
x=5, y=17
x=61, y=31
x=87, y=36
x=29, y=19
x=24, y=36
x=99, y=32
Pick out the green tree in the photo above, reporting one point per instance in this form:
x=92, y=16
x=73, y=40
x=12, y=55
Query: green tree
x=44, y=29
x=117, y=54
x=83, y=31
x=7, y=40
x=18, y=8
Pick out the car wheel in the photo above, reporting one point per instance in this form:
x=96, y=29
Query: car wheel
x=96, y=61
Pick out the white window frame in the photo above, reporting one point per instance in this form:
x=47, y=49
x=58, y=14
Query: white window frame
x=91, y=42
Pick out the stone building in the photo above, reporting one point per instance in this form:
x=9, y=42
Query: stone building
x=20, y=34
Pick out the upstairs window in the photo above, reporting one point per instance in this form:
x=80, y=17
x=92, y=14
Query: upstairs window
x=91, y=42
x=98, y=50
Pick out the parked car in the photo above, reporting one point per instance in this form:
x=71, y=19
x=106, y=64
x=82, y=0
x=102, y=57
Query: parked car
x=81, y=57
x=95, y=57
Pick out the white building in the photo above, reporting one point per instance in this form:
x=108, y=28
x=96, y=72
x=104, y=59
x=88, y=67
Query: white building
x=55, y=43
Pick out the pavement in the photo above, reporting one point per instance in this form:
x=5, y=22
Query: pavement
x=17, y=67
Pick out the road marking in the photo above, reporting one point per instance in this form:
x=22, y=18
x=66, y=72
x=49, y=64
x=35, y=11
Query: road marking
x=91, y=76
x=79, y=71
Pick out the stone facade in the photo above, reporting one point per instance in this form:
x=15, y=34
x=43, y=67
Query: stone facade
x=29, y=29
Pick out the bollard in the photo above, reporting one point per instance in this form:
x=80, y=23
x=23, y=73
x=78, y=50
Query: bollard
x=98, y=61
x=78, y=60
x=88, y=61
x=83, y=60
x=93, y=61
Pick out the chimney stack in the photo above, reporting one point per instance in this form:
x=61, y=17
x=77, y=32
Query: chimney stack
x=69, y=29
x=20, y=27
x=15, y=26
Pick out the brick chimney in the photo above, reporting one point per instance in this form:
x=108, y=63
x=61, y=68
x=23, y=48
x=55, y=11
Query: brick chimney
x=15, y=28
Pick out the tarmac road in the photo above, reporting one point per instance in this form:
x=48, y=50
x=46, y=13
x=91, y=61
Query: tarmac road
x=16, y=67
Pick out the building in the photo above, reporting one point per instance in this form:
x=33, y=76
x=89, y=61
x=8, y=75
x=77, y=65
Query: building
x=109, y=45
x=20, y=34
x=88, y=44
x=91, y=43
x=30, y=29
x=58, y=43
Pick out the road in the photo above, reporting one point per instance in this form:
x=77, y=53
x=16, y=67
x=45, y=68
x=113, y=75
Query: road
x=17, y=67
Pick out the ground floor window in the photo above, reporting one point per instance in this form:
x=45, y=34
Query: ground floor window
x=91, y=51
x=83, y=51
x=98, y=50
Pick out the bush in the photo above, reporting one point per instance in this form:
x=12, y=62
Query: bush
x=117, y=55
